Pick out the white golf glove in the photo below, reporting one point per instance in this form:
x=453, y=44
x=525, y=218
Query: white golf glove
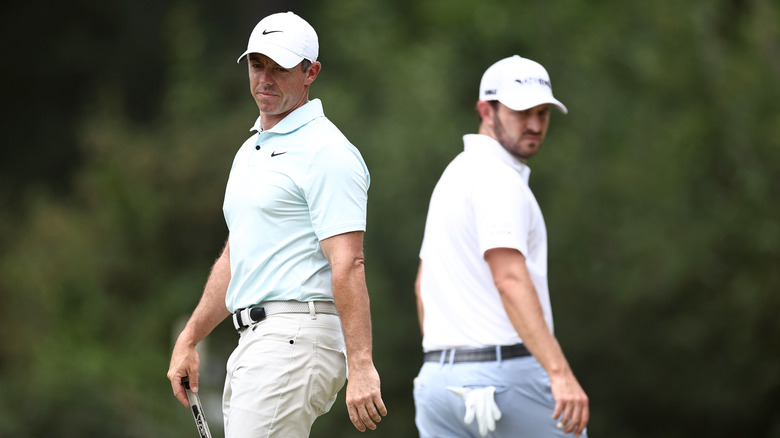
x=481, y=405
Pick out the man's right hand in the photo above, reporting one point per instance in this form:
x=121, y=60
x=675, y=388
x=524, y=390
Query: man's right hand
x=185, y=362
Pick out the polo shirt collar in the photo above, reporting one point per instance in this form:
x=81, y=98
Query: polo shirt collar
x=301, y=116
x=484, y=144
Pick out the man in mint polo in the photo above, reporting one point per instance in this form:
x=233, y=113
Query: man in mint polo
x=291, y=274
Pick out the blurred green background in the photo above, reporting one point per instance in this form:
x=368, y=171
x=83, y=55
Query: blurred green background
x=660, y=192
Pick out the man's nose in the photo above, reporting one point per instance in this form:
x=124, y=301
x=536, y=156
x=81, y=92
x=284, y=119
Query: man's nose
x=534, y=123
x=265, y=76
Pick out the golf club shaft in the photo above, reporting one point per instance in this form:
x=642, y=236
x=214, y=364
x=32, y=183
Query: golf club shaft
x=197, y=410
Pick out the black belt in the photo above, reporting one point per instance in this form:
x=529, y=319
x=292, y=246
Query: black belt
x=487, y=354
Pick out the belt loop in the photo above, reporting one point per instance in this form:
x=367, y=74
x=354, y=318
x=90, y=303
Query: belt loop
x=452, y=356
x=498, y=353
x=442, y=357
x=237, y=323
x=311, y=310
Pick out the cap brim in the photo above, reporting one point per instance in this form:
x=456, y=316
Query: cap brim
x=531, y=100
x=281, y=56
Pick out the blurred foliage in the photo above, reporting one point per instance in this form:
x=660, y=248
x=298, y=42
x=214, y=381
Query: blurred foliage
x=122, y=119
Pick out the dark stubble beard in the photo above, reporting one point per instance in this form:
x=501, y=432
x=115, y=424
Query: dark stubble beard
x=512, y=148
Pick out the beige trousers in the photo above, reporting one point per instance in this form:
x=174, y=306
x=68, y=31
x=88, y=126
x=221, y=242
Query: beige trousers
x=285, y=372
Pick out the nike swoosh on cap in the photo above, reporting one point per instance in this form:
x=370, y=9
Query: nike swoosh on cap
x=266, y=32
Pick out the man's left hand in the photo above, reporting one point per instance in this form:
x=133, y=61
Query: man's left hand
x=364, y=399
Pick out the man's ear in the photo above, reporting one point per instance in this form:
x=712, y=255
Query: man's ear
x=312, y=72
x=485, y=110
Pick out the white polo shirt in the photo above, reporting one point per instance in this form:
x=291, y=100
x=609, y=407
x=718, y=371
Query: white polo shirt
x=291, y=186
x=482, y=201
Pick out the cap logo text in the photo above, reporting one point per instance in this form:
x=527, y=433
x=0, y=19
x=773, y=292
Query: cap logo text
x=539, y=81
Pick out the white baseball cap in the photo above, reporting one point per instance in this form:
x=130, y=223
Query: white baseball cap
x=518, y=83
x=284, y=37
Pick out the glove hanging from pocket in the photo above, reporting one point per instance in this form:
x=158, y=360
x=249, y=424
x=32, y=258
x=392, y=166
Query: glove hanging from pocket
x=480, y=404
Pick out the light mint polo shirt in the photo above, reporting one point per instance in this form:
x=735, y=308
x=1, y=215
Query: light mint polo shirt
x=289, y=188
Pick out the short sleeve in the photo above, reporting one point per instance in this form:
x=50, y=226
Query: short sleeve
x=336, y=190
x=502, y=212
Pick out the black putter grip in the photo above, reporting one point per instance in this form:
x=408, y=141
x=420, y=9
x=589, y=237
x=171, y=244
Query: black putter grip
x=186, y=382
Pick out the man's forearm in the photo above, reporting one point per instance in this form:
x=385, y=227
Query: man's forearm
x=352, y=302
x=350, y=294
x=208, y=314
x=523, y=308
x=211, y=309
x=524, y=311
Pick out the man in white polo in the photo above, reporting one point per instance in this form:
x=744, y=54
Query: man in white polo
x=291, y=273
x=483, y=301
